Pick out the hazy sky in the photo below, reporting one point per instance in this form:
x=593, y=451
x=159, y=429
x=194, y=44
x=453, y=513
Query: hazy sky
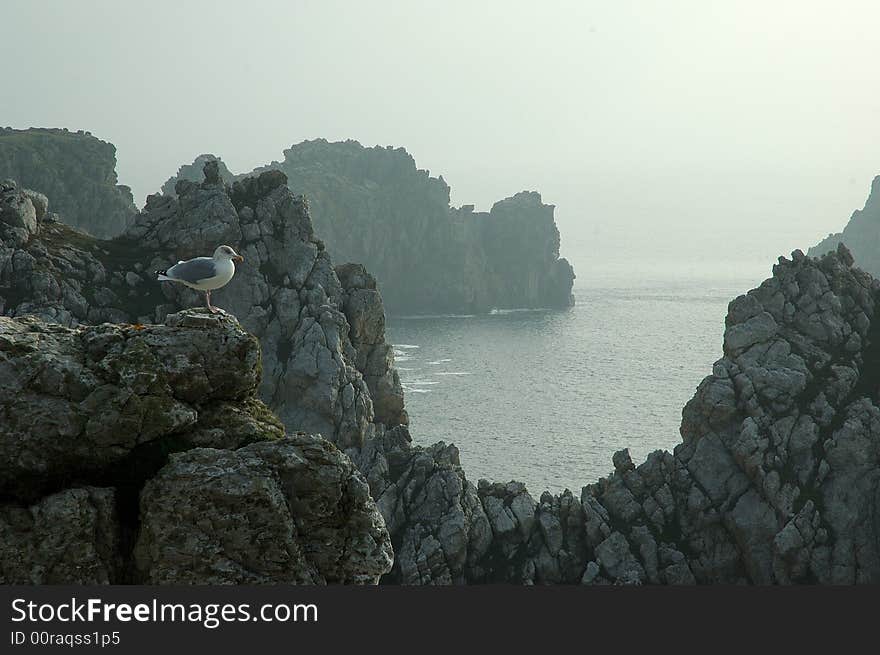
x=687, y=130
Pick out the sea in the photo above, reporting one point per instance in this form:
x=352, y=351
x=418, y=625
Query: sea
x=547, y=396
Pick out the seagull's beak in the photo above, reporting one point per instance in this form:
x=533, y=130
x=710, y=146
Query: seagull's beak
x=238, y=258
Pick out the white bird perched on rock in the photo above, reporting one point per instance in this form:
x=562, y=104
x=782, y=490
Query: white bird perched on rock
x=204, y=273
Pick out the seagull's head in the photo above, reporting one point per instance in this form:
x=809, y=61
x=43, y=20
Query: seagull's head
x=226, y=252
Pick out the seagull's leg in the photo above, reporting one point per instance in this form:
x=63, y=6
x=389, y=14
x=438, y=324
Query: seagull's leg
x=211, y=309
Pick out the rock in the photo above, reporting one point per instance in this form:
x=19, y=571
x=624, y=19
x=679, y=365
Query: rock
x=69, y=537
x=615, y=557
x=291, y=511
x=18, y=214
x=311, y=363
x=194, y=173
x=757, y=329
x=435, y=518
x=212, y=172
x=96, y=420
x=739, y=489
x=622, y=461
x=76, y=170
x=286, y=293
x=75, y=401
x=365, y=313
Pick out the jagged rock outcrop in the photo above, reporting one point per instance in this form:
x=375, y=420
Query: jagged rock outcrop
x=373, y=206
x=364, y=310
x=435, y=518
x=447, y=531
x=287, y=292
x=195, y=173
x=76, y=170
x=777, y=479
x=861, y=235
x=88, y=417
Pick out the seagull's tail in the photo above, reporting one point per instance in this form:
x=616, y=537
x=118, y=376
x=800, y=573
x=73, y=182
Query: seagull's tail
x=161, y=276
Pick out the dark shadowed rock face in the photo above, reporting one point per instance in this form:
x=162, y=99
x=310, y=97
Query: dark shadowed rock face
x=68, y=537
x=88, y=493
x=76, y=170
x=372, y=205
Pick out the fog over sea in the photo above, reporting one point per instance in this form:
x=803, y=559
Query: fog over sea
x=546, y=397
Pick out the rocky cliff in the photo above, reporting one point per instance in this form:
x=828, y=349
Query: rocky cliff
x=76, y=170
x=287, y=293
x=374, y=206
x=324, y=360
x=861, y=235
x=136, y=453
x=777, y=479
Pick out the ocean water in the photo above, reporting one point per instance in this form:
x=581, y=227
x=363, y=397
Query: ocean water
x=546, y=397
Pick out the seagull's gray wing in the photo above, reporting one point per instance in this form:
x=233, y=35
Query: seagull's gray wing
x=193, y=270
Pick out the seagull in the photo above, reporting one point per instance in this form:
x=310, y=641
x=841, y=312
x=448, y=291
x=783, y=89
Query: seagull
x=204, y=273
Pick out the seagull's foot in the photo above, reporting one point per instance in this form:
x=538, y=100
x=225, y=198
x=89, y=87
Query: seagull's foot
x=215, y=310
